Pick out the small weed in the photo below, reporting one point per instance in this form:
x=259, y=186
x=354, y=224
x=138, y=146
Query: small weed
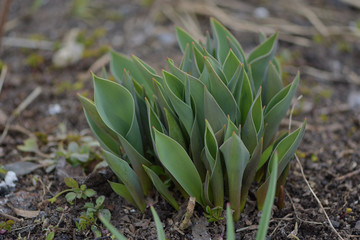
x=34, y=60
x=89, y=40
x=6, y=226
x=74, y=192
x=68, y=86
x=213, y=214
x=314, y=157
x=79, y=151
x=2, y=170
x=88, y=219
x=324, y=117
x=89, y=53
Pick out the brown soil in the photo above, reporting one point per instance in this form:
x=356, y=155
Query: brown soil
x=328, y=153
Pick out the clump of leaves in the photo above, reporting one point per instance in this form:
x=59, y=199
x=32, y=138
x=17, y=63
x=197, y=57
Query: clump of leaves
x=88, y=219
x=210, y=124
x=74, y=192
x=5, y=226
x=213, y=214
x=75, y=154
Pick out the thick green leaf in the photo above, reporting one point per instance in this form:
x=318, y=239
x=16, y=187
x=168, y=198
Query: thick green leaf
x=111, y=228
x=148, y=72
x=199, y=58
x=209, y=45
x=246, y=99
x=269, y=201
x=259, y=60
x=30, y=145
x=71, y=183
x=107, y=138
x=175, y=91
x=236, y=158
x=254, y=124
x=119, y=62
x=230, y=65
x=162, y=99
x=188, y=63
x=235, y=83
x=122, y=119
x=137, y=160
x=217, y=67
x=249, y=173
x=153, y=121
x=175, y=159
x=230, y=232
x=230, y=129
x=174, y=129
x=265, y=156
x=277, y=109
x=184, y=38
x=272, y=84
x=211, y=146
x=213, y=113
x=180, y=74
x=214, y=166
x=197, y=89
x=161, y=187
x=196, y=146
x=159, y=228
x=121, y=190
x=222, y=36
x=285, y=150
x=125, y=173
x=220, y=92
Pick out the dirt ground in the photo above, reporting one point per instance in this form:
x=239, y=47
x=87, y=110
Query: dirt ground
x=320, y=38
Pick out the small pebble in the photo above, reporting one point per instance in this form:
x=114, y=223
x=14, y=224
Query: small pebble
x=54, y=109
x=357, y=225
x=261, y=12
x=336, y=224
x=10, y=179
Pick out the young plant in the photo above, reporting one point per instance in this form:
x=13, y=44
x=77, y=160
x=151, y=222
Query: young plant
x=74, y=192
x=208, y=125
x=5, y=226
x=89, y=217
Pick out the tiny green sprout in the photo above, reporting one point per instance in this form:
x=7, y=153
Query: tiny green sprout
x=6, y=226
x=2, y=170
x=34, y=60
x=88, y=219
x=213, y=214
x=74, y=192
x=50, y=235
x=314, y=158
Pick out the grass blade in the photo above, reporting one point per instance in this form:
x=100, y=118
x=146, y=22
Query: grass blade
x=269, y=201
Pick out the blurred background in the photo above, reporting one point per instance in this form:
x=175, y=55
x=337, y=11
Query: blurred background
x=54, y=44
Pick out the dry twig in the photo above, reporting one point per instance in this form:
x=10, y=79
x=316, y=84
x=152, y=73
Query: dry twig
x=317, y=199
x=7, y=216
x=189, y=212
x=27, y=43
x=348, y=175
x=29, y=99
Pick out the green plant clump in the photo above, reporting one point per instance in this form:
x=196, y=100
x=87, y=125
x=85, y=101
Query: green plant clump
x=208, y=126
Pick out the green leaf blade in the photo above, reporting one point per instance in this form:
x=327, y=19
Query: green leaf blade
x=175, y=159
